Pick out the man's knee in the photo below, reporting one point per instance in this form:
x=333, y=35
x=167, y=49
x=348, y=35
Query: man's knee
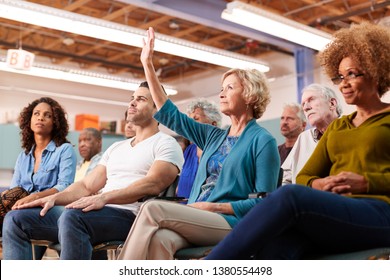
x=69, y=216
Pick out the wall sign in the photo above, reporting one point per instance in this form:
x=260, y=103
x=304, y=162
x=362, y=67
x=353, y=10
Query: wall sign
x=20, y=59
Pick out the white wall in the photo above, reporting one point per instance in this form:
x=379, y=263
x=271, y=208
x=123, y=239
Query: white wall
x=17, y=91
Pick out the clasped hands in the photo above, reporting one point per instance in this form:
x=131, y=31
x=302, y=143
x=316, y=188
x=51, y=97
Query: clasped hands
x=345, y=183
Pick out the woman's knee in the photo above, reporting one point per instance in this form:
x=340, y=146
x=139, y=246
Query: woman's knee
x=154, y=208
x=165, y=243
x=10, y=220
x=18, y=218
x=287, y=192
x=152, y=205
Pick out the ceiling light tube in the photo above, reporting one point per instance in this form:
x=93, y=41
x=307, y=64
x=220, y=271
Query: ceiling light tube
x=278, y=26
x=80, y=76
x=63, y=95
x=110, y=31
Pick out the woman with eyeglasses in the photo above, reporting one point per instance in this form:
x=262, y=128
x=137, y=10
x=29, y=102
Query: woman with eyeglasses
x=343, y=202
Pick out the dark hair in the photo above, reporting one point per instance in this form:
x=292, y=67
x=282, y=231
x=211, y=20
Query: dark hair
x=146, y=85
x=60, y=123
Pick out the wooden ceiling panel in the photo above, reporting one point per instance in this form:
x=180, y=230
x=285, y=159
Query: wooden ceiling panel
x=61, y=47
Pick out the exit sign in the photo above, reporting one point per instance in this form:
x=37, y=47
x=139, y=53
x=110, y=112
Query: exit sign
x=20, y=59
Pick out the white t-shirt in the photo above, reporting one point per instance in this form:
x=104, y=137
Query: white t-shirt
x=126, y=164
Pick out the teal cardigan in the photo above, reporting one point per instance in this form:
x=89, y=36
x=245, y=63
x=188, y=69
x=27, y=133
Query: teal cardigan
x=251, y=166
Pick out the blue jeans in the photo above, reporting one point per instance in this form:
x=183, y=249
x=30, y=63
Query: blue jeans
x=76, y=231
x=22, y=225
x=295, y=220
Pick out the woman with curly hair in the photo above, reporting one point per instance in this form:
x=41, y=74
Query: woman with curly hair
x=235, y=162
x=346, y=206
x=48, y=163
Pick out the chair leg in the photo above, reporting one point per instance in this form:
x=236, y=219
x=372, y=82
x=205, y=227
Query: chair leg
x=33, y=251
x=34, y=243
x=111, y=254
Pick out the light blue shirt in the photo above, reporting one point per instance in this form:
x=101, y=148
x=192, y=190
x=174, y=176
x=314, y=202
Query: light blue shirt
x=57, y=169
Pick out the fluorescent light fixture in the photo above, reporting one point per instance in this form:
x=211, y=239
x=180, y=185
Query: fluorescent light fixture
x=256, y=18
x=110, y=31
x=63, y=95
x=80, y=76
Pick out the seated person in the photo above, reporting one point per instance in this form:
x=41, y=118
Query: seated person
x=346, y=207
x=321, y=107
x=183, y=142
x=292, y=123
x=128, y=171
x=129, y=128
x=48, y=161
x=235, y=162
x=90, y=149
x=201, y=111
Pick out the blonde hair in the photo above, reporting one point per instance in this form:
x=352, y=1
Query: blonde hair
x=256, y=91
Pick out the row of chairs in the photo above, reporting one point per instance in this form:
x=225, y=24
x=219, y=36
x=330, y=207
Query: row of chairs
x=198, y=252
x=112, y=247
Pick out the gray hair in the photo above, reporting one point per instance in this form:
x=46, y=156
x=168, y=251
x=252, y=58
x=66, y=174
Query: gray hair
x=94, y=132
x=210, y=109
x=298, y=109
x=327, y=93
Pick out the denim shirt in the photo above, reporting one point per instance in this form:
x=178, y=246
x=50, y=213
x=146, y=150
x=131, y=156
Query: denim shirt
x=57, y=169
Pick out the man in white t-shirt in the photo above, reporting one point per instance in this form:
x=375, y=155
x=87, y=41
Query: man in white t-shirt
x=321, y=106
x=128, y=171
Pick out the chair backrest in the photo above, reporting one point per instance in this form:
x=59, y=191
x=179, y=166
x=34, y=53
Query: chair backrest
x=280, y=178
x=170, y=191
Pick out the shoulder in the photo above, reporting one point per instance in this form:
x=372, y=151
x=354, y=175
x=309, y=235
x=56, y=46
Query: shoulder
x=119, y=143
x=259, y=132
x=342, y=122
x=308, y=133
x=162, y=138
x=65, y=147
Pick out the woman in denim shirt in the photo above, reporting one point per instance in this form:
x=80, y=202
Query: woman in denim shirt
x=48, y=163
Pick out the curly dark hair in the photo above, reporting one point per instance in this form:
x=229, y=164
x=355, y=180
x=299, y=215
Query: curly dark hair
x=60, y=123
x=366, y=43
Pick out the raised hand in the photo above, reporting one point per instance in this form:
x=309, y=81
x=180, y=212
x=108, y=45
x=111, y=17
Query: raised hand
x=148, y=47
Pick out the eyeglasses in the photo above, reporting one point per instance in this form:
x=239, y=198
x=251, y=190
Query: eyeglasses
x=350, y=76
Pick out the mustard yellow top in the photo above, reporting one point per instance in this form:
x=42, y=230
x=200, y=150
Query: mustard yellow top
x=364, y=150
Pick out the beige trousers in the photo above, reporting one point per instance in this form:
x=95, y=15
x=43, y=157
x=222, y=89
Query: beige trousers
x=161, y=228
